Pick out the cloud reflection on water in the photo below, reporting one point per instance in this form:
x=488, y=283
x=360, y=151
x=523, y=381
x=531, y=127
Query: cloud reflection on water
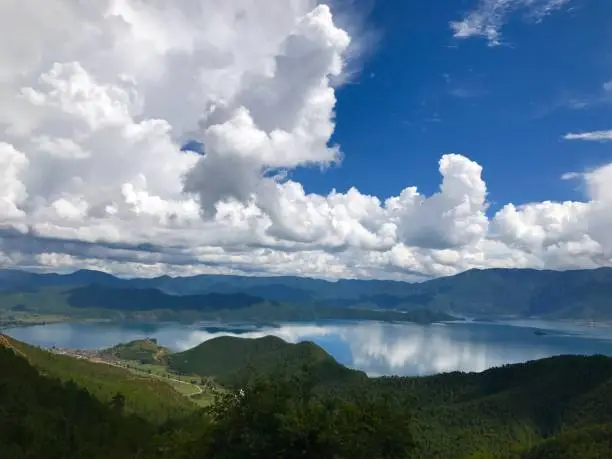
x=376, y=348
x=406, y=349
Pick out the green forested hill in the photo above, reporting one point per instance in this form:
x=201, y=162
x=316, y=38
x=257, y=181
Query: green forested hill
x=232, y=361
x=150, y=398
x=554, y=408
x=44, y=418
x=504, y=411
x=593, y=442
x=145, y=351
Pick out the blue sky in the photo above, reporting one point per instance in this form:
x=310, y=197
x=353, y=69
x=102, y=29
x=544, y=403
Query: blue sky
x=423, y=92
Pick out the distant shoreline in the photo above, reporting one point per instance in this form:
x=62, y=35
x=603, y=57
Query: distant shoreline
x=53, y=320
x=8, y=324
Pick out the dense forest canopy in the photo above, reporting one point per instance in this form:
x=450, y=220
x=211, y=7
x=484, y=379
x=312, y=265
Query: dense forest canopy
x=559, y=407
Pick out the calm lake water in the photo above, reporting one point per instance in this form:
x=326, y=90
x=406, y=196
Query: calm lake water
x=377, y=348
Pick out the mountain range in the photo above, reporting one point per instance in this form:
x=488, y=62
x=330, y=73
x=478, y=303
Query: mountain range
x=574, y=294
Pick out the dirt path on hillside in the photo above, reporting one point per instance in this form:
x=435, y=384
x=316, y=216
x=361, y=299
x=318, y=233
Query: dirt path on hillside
x=152, y=375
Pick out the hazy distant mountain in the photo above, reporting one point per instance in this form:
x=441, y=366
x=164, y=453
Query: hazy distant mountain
x=102, y=297
x=22, y=280
x=580, y=294
x=585, y=294
x=94, y=301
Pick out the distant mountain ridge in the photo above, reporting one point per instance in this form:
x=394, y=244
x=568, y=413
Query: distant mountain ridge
x=31, y=304
x=575, y=294
x=142, y=299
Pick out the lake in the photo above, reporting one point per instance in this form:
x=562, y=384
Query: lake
x=376, y=348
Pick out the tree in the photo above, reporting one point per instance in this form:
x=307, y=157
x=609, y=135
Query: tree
x=118, y=402
x=287, y=418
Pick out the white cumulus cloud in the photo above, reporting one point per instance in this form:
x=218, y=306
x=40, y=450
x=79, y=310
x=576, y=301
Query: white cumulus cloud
x=97, y=98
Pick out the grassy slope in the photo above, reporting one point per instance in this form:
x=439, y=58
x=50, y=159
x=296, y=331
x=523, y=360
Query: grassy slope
x=42, y=417
x=151, y=398
x=146, y=357
x=231, y=361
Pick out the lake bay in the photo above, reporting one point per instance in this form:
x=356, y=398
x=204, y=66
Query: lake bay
x=374, y=347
